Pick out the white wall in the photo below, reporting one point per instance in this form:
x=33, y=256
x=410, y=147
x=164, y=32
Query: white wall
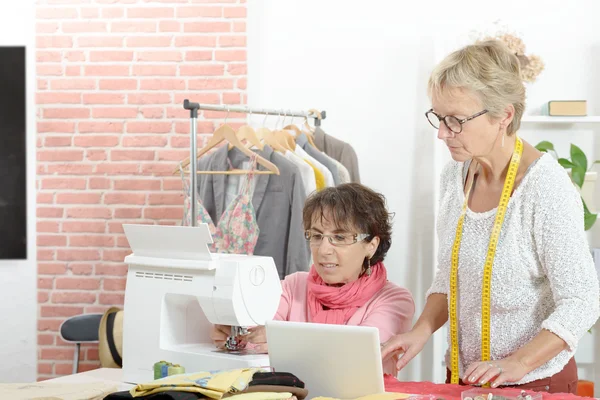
x=18, y=297
x=367, y=64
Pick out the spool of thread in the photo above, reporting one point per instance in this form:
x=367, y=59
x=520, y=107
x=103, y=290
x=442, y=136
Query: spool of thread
x=158, y=369
x=164, y=370
x=176, y=369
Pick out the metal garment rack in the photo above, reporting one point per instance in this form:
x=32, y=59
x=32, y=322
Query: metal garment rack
x=194, y=107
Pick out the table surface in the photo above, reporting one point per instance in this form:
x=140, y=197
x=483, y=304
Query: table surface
x=105, y=375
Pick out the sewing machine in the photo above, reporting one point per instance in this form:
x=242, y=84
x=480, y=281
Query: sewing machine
x=177, y=289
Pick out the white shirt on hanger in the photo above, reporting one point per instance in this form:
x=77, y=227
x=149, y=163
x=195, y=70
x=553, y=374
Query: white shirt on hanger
x=307, y=173
x=329, y=182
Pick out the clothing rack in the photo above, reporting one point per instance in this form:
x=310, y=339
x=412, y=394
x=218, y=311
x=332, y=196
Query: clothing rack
x=194, y=107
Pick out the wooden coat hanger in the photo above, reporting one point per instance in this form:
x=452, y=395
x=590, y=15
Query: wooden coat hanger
x=269, y=137
x=226, y=132
x=247, y=133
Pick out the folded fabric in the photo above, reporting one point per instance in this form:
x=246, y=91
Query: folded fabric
x=157, y=396
x=212, y=384
x=300, y=393
x=276, y=378
x=262, y=396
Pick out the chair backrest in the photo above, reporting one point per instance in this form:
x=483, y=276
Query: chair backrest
x=81, y=328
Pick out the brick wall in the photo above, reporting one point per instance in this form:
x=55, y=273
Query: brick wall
x=111, y=79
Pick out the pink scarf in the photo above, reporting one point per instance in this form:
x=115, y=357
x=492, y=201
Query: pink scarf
x=343, y=301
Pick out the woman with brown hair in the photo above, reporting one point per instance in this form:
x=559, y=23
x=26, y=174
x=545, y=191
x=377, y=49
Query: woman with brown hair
x=348, y=228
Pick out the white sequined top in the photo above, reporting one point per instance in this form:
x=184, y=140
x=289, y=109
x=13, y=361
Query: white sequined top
x=543, y=275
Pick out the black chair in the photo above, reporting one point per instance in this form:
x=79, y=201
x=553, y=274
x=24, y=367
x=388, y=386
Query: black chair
x=80, y=329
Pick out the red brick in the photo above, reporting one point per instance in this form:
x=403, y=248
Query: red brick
x=45, y=268
x=55, y=127
x=125, y=198
x=84, y=366
x=89, y=212
x=45, y=198
x=157, y=169
x=78, y=198
x=115, y=255
x=65, y=369
x=51, y=240
x=128, y=213
x=152, y=112
x=117, y=227
x=96, y=155
x=72, y=84
x=46, y=27
x=114, y=284
x=178, y=113
x=55, y=12
x=42, y=84
x=47, y=227
x=195, y=41
x=120, y=113
x=143, y=26
x=81, y=269
x=100, y=41
x=154, y=70
x=84, y=27
x=148, y=127
x=206, y=27
x=160, y=56
x=45, y=339
x=75, y=56
x=122, y=240
x=45, y=283
x=91, y=241
x=127, y=155
x=84, y=226
x=66, y=113
x=107, y=70
x=235, y=12
x=201, y=70
x=164, y=213
x=100, y=127
x=180, y=142
x=211, y=98
x=99, y=183
x=112, y=12
x=204, y=55
x=117, y=169
x=232, y=98
x=77, y=283
x=149, y=98
x=54, y=41
x=239, y=26
x=103, y=56
x=150, y=12
x=162, y=84
x=172, y=155
x=57, y=141
x=112, y=269
x=45, y=368
x=58, y=354
x=60, y=155
x=77, y=255
x=172, y=184
x=96, y=141
x=210, y=84
x=73, y=70
x=48, y=56
x=237, y=69
x=112, y=299
x=63, y=183
x=70, y=169
x=169, y=26
x=137, y=184
x=201, y=127
x=103, y=98
x=199, y=12
x=242, y=83
x=43, y=296
x=92, y=355
x=232, y=41
x=60, y=311
x=49, y=212
x=230, y=55
x=90, y=12
x=49, y=324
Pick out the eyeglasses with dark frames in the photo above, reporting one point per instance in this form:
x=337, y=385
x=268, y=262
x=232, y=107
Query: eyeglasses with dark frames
x=454, y=124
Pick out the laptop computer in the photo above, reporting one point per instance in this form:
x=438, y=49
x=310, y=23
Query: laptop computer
x=337, y=361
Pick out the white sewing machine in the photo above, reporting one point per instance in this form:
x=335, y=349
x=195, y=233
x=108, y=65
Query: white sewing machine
x=176, y=289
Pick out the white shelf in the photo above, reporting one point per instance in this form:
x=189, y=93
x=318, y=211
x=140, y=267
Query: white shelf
x=544, y=119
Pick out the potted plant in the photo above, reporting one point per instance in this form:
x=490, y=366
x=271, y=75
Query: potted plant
x=584, y=179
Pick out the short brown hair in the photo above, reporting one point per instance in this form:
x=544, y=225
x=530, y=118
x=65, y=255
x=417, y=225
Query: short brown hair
x=353, y=206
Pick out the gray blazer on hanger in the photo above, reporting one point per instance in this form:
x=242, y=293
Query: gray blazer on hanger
x=338, y=150
x=302, y=141
x=278, y=201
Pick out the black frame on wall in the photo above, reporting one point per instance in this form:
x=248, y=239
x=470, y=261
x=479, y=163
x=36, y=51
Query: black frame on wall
x=13, y=162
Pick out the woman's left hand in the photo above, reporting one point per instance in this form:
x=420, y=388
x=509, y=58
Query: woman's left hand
x=497, y=372
x=257, y=336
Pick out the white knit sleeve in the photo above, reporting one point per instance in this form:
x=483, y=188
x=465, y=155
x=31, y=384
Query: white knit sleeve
x=565, y=257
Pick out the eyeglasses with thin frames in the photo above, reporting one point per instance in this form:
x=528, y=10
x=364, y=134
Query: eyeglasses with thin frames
x=454, y=124
x=337, y=239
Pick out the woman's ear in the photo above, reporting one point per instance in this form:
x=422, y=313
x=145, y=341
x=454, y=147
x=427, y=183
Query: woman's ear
x=372, y=246
x=509, y=114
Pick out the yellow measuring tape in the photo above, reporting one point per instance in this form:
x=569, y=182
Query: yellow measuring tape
x=509, y=183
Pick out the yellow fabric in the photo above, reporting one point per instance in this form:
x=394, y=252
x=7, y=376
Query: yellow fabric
x=318, y=176
x=261, y=396
x=380, y=396
x=212, y=385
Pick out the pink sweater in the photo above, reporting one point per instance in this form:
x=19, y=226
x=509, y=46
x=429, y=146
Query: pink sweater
x=391, y=310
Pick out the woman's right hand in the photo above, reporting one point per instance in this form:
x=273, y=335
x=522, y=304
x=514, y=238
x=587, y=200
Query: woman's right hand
x=405, y=345
x=219, y=335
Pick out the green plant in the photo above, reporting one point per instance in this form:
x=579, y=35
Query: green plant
x=578, y=164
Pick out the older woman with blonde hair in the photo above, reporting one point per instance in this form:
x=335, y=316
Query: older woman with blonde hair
x=515, y=276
